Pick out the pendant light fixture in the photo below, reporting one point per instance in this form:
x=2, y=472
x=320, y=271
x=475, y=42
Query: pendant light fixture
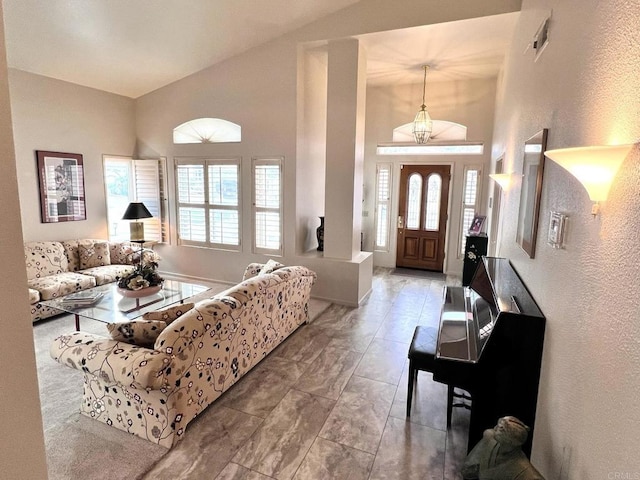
x=422, y=125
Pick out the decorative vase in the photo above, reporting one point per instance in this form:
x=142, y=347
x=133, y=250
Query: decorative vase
x=320, y=235
x=143, y=292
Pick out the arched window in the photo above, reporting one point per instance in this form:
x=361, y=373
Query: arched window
x=207, y=130
x=414, y=200
x=432, y=208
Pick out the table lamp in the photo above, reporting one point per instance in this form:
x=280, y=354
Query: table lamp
x=135, y=211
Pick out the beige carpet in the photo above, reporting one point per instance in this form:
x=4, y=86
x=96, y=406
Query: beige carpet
x=78, y=447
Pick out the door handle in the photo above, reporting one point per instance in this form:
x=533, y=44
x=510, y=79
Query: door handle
x=400, y=222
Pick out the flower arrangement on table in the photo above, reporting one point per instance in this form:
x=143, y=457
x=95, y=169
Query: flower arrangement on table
x=145, y=276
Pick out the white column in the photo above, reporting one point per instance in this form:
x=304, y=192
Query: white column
x=346, y=92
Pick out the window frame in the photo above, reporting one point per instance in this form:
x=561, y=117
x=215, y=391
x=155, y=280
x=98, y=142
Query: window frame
x=256, y=162
x=205, y=162
x=157, y=206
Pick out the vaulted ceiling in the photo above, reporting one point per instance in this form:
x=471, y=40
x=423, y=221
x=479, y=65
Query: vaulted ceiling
x=134, y=47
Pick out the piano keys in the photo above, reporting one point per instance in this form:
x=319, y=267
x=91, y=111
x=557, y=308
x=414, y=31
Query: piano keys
x=490, y=342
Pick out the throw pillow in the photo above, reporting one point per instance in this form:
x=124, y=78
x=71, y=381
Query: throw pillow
x=270, y=267
x=93, y=254
x=137, y=332
x=169, y=314
x=121, y=253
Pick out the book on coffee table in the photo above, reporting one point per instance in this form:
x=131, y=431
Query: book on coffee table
x=82, y=298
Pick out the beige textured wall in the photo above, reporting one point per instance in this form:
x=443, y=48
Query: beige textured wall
x=584, y=88
x=22, y=445
x=59, y=116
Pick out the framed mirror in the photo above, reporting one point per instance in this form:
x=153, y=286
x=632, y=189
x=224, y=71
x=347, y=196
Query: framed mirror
x=532, y=171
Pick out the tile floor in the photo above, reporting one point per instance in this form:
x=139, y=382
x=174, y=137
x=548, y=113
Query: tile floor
x=330, y=402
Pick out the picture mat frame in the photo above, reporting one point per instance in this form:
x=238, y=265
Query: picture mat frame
x=61, y=181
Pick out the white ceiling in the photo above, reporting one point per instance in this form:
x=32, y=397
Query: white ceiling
x=132, y=47
x=465, y=49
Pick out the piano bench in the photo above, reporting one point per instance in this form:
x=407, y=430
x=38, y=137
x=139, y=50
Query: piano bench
x=422, y=355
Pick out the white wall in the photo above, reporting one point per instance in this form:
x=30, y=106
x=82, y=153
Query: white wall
x=584, y=88
x=470, y=103
x=312, y=147
x=22, y=444
x=59, y=116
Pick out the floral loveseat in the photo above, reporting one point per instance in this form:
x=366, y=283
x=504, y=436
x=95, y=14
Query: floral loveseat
x=155, y=391
x=55, y=269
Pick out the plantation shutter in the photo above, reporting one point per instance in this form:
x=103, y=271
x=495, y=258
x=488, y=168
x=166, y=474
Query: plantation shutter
x=208, y=193
x=146, y=174
x=383, y=199
x=267, y=204
x=469, y=203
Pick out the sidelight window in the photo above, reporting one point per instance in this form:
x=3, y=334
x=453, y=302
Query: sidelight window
x=383, y=202
x=470, y=201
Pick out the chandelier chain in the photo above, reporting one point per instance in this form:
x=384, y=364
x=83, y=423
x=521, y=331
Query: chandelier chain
x=424, y=84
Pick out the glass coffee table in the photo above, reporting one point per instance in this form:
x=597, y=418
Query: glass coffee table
x=112, y=307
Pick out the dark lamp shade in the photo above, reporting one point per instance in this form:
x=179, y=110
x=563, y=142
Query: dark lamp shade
x=136, y=210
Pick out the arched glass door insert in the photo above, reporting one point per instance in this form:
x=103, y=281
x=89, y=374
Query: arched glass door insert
x=432, y=207
x=414, y=200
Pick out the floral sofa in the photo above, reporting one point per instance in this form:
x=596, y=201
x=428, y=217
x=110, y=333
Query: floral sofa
x=155, y=391
x=55, y=269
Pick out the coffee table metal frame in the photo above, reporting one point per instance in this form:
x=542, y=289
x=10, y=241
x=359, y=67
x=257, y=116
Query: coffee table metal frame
x=114, y=307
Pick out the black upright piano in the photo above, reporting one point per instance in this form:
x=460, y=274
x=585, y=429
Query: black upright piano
x=490, y=343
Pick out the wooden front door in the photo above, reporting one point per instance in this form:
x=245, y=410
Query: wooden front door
x=422, y=216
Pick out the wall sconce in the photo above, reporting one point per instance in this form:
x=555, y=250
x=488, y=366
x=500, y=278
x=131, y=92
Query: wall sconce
x=503, y=179
x=594, y=167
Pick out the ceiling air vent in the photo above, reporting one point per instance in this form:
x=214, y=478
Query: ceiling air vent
x=541, y=38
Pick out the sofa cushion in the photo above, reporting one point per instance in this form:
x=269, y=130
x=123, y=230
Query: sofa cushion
x=108, y=273
x=129, y=253
x=39, y=311
x=137, y=332
x=34, y=296
x=93, y=254
x=205, y=316
x=55, y=286
x=122, y=252
x=44, y=258
x=270, y=266
x=71, y=252
x=252, y=270
x=169, y=314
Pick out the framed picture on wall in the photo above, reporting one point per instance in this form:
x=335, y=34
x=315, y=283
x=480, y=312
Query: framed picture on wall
x=61, y=178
